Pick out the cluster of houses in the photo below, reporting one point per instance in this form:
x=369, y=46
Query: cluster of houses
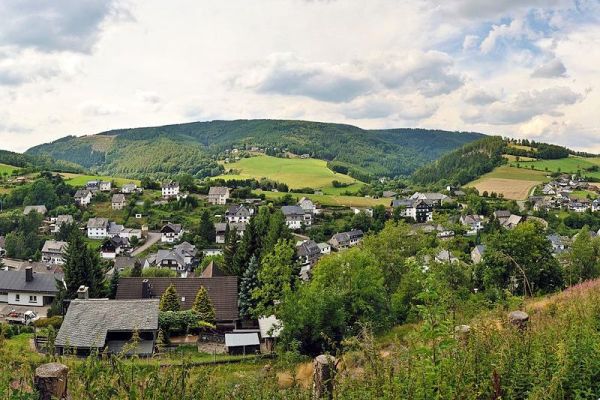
x=83, y=197
x=558, y=194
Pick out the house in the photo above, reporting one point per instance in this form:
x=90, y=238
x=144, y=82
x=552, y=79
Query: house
x=26, y=288
x=218, y=195
x=108, y=326
x=419, y=210
x=238, y=213
x=83, y=197
x=97, y=228
x=367, y=211
x=435, y=199
x=507, y=219
x=181, y=258
x=129, y=188
x=242, y=343
x=295, y=217
x=222, y=291
x=113, y=247
x=38, y=209
x=444, y=256
x=53, y=252
x=477, y=253
x=344, y=240
x=92, y=186
x=596, y=205
x=308, y=206
x=212, y=270
x=559, y=245
x=324, y=247
x=308, y=253
x=118, y=201
x=105, y=186
x=389, y=194
x=2, y=246
x=474, y=223
x=171, y=233
x=579, y=206
x=61, y=220
x=270, y=329
x=212, y=252
x=221, y=230
x=170, y=189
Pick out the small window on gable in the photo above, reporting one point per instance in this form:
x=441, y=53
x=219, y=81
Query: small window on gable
x=183, y=299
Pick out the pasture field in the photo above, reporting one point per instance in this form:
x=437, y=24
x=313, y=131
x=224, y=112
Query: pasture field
x=570, y=165
x=513, y=183
x=521, y=147
x=297, y=173
x=81, y=180
x=7, y=169
x=512, y=158
x=332, y=200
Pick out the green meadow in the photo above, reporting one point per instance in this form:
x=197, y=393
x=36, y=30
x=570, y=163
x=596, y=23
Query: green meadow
x=81, y=180
x=297, y=173
x=569, y=165
x=7, y=169
x=331, y=200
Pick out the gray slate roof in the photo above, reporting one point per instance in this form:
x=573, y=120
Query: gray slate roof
x=53, y=246
x=218, y=191
x=118, y=198
x=39, y=209
x=97, y=223
x=88, y=321
x=12, y=281
x=292, y=210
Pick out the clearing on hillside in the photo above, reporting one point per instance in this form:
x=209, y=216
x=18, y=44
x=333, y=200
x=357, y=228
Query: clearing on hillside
x=570, y=164
x=513, y=183
x=332, y=200
x=7, y=169
x=297, y=173
x=81, y=180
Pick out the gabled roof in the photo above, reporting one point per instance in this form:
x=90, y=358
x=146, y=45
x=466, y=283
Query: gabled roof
x=308, y=248
x=98, y=223
x=39, y=209
x=292, y=210
x=212, y=270
x=222, y=291
x=64, y=219
x=53, y=246
x=175, y=228
x=82, y=193
x=15, y=281
x=218, y=191
x=170, y=185
x=87, y=322
x=118, y=198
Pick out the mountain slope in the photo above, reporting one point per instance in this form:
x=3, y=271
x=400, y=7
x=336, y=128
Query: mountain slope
x=193, y=147
x=37, y=162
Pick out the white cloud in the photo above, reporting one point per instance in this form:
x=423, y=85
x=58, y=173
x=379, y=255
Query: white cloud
x=515, y=30
x=470, y=42
x=480, y=97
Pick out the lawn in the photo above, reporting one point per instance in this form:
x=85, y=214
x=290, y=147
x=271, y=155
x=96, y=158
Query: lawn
x=332, y=200
x=570, y=165
x=81, y=180
x=7, y=169
x=514, y=183
x=297, y=173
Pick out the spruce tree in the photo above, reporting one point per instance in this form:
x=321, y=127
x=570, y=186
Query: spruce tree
x=206, y=230
x=136, y=271
x=245, y=250
x=277, y=230
x=169, y=301
x=82, y=267
x=229, y=251
x=114, y=284
x=248, y=284
x=203, y=306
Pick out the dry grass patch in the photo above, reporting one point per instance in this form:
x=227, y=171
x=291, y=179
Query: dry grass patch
x=512, y=189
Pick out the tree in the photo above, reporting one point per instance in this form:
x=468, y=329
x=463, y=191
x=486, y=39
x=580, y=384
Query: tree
x=203, y=306
x=248, y=284
x=66, y=230
x=169, y=301
x=229, y=250
x=277, y=230
x=247, y=248
x=82, y=267
x=113, y=285
x=276, y=277
x=362, y=221
x=136, y=271
x=206, y=229
x=583, y=259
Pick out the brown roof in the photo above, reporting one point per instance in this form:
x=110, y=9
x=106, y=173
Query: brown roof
x=222, y=290
x=212, y=270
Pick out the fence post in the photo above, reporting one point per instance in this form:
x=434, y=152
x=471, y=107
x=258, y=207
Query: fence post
x=323, y=376
x=519, y=319
x=51, y=381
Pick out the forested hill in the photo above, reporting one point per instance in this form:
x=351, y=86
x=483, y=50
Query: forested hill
x=193, y=147
x=41, y=162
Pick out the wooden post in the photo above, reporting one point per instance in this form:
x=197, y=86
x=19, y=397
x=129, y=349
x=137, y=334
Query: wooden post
x=519, y=319
x=323, y=375
x=51, y=381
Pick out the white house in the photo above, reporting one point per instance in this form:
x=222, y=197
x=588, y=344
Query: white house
x=24, y=288
x=129, y=188
x=324, y=247
x=419, y=210
x=170, y=189
x=218, y=195
x=97, y=228
x=61, y=220
x=295, y=217
x=105, y=186
x=474, y=223
x=38, y=209
x=118, y=201
x=344, y=240
x=308, y=206
x=236, y=214
x=171, y=233
x=83, y=197
x=53, y=252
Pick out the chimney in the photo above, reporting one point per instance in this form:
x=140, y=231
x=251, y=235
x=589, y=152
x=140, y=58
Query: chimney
x=28, y=274
x=83, y=293
x=145, y=289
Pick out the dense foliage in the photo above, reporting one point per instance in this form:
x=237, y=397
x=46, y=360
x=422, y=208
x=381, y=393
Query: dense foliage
x=191, y=148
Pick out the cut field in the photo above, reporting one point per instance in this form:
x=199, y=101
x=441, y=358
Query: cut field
x=513, y=183
x=81, y=180
x=569, y=165
x=331, y=200
x=297, y=173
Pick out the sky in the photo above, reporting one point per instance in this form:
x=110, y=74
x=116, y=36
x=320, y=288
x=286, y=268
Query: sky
x=518, y=68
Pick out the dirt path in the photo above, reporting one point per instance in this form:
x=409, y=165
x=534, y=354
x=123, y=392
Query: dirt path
x=153, y=237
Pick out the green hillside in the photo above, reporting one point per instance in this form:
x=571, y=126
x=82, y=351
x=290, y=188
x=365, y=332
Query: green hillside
x=193, y=147
x=36, y=162
x=587, y=166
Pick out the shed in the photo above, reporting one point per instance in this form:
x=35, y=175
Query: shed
x=242, y=343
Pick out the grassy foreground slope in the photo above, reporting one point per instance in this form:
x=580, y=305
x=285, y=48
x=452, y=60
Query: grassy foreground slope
x=190, y=148
x=297, y=173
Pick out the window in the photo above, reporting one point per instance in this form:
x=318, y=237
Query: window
x=33, y=299
x=17, y=297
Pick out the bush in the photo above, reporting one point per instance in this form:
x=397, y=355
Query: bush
x=55, y=322
x=8, y=330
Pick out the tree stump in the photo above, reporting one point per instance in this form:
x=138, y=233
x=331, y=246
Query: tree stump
x=323, y=375
x=519, y=319
x=51, y=381
x=461, y=332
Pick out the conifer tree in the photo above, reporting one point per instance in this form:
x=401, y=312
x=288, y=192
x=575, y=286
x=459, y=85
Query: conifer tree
x=206, y=230
x=229, y=251
x=245, y=250
x=169, y=301
x=114, y=284
x=203, y=306
x=137, y=269
x=82, y=267
x=248, y=284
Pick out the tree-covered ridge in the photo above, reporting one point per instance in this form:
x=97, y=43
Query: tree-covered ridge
x=192, y=147
x=37, y=162
x=463, y=165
